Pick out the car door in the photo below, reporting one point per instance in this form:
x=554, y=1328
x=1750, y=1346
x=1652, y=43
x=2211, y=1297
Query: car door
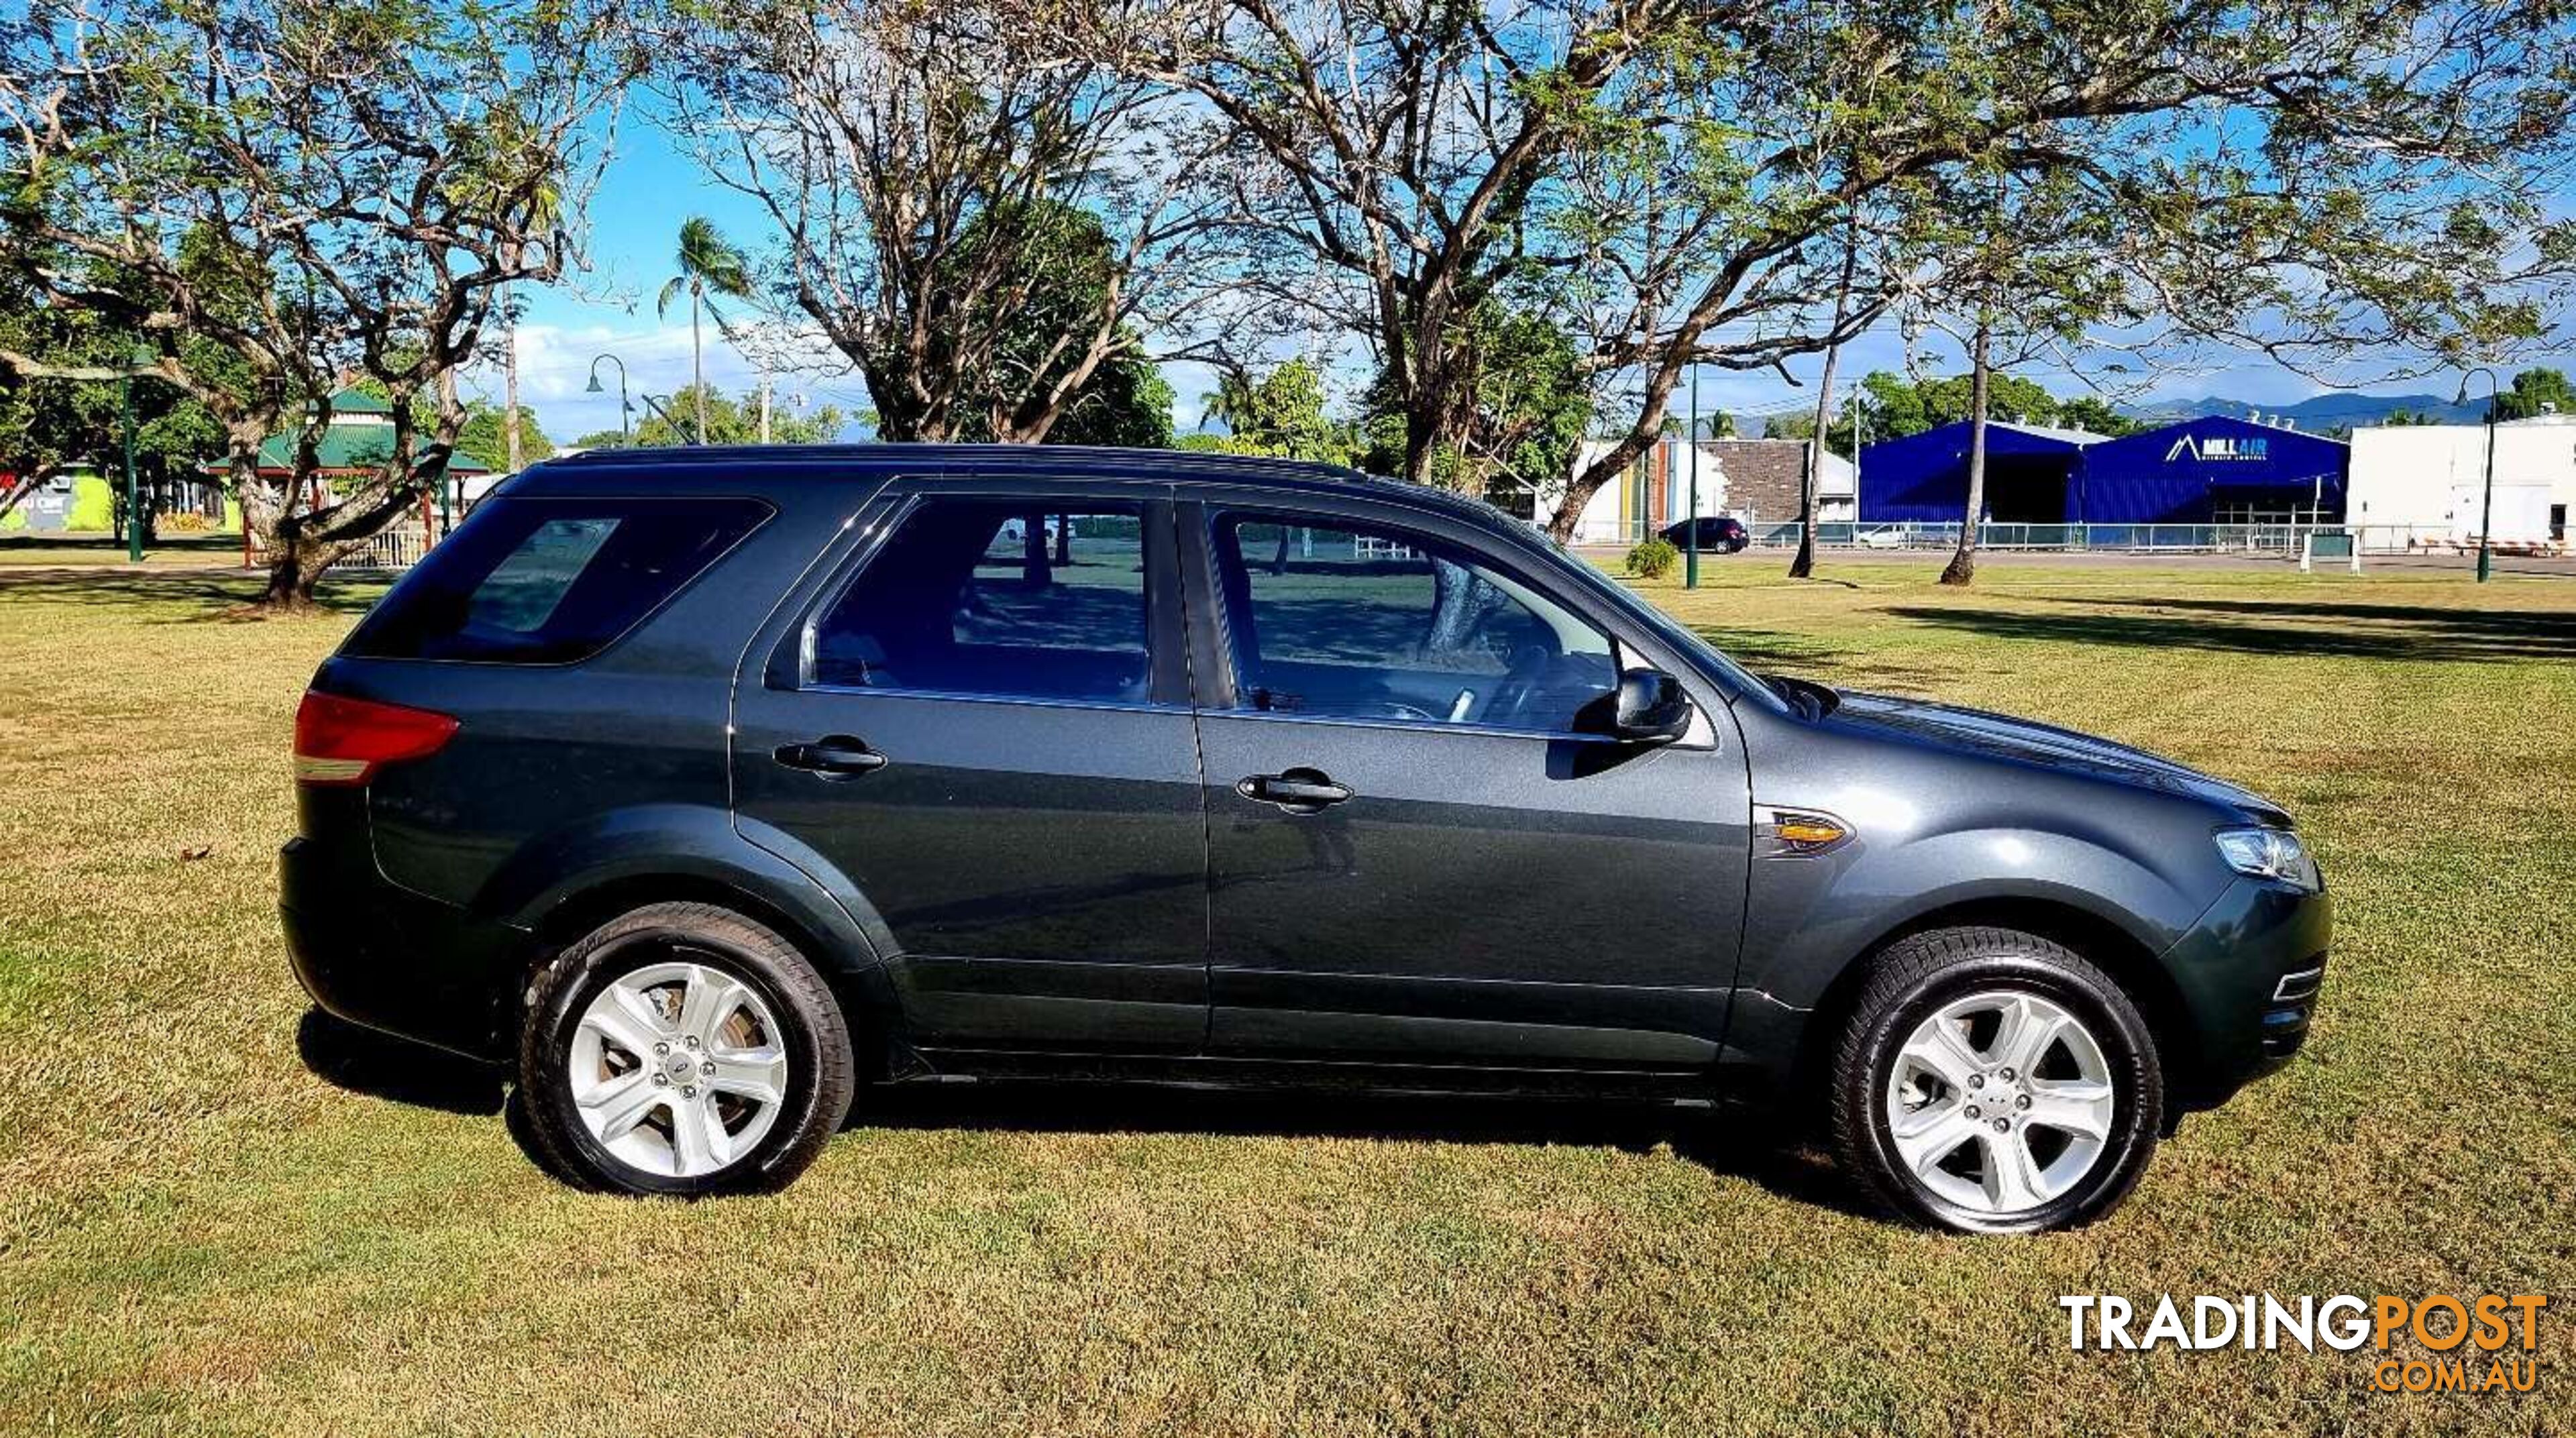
x=1421, y=846
x=978, y=723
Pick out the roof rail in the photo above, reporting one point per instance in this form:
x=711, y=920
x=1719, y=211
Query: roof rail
x=1054, y=456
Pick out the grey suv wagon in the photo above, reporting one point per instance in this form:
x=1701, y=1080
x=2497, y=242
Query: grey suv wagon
x=711, y=786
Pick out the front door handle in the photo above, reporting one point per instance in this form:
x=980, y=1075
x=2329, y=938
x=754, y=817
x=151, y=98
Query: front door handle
x=833, y=755
x=1299, y=791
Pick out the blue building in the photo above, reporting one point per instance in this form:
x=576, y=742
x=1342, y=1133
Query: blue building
x=2210, y=470
x=1923, y=478
x=2213, y=470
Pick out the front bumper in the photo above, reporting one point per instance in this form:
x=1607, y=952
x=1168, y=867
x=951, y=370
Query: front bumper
x=2250, y=973
x=378, y=954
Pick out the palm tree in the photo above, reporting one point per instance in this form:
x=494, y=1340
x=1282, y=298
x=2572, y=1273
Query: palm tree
x=709, y=264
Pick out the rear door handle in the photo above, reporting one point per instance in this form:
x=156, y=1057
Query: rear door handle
x=1299, y=791
x=833, y=755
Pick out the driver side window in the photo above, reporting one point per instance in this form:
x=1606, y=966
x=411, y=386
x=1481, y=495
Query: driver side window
x=1351, y=621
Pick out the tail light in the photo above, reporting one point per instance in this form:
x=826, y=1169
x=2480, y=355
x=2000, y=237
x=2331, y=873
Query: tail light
x=345, y=741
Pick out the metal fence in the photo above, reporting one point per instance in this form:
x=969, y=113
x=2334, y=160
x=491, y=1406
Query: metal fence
x=2287, y=541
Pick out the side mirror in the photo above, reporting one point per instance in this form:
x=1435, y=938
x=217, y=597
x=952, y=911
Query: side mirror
x=1652, y=709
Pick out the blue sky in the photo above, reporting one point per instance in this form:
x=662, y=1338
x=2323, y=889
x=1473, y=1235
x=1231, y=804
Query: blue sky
x=649, y=188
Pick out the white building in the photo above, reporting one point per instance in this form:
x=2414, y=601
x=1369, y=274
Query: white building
x=1755, y=480
x=2423, y=486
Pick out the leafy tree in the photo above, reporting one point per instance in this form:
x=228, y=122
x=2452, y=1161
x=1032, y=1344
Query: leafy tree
x=301, y=192
x=1683, y=175
x=2091, y=412
x=1061, y=264
x=708, y=264
x=2536, y=392
x=1280, y=413
x=730, y=421
x=485, y=437
x=2402, y=418
x=1127, y=402
x=601, y=439
x=1399, y=150
x=1526, y=408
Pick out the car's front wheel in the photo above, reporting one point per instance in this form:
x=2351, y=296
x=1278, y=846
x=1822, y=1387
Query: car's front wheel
x=1992, y=1081
x=685, y=1050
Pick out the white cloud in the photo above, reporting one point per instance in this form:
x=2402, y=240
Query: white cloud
x=555, y=365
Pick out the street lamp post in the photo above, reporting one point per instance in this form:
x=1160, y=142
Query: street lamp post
x=2486, y=509
x=625, y=431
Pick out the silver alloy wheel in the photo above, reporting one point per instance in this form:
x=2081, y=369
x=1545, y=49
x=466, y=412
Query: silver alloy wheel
x=678, y=1069
x=2000, y=1102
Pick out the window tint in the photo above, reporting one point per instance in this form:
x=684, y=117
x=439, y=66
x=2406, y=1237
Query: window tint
x=1366, y=623
x=546, y=581
x=996, y=597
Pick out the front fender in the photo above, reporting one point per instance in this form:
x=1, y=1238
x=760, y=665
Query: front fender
x=1809, y=918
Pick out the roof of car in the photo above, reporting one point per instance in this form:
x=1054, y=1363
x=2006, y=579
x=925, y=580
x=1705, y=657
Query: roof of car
x=966, y=460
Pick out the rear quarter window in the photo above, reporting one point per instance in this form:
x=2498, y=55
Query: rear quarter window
x=550, y=581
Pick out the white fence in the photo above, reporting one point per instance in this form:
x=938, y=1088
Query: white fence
x=398, y=548
x=387, y=551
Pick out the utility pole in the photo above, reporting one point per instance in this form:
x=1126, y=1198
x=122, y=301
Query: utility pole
x=1690, y=521
x=764, y=406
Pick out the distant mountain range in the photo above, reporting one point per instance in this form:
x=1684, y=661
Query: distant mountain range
x=2320, y=414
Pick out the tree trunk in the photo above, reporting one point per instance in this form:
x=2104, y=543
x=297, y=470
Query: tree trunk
x=1035, y=569
x=697, y=364
x=1462, y=600
x=1803, y=566
x=294, y=570
x=764, y=409
x=510, y=379
x=1963, y=563
x=1421, y=444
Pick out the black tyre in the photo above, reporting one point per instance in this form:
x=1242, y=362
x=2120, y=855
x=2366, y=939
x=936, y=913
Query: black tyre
x=1991, y=1081
x=683, y=1050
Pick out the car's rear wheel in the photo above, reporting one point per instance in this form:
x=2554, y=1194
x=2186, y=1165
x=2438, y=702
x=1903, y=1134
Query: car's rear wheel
x=683, y=1049
x=1991, y=1081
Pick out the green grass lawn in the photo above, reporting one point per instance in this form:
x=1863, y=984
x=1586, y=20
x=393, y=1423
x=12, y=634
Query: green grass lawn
x=202, y=1234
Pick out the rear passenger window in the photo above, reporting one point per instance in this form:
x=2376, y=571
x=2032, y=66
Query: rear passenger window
x=995, y=597
x=548, y=581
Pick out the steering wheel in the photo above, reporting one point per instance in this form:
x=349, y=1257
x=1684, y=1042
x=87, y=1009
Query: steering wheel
x=1514, y=696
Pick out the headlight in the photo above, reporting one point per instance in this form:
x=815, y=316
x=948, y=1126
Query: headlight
x=2274, y=854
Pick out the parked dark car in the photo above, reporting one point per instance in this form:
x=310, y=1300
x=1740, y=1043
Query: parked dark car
x=1718, y=534
x=714, y=786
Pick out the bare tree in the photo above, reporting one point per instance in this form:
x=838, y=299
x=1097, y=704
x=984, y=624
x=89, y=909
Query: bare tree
x=981, y=205
x=291, y=195
x=1401, y=144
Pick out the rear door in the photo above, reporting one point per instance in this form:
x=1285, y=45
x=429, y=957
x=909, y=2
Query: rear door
x=1422, y=848
x=979, y=718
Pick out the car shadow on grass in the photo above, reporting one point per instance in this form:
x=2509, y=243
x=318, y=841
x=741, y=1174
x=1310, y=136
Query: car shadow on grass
x=1756, y=1146
x=363, y=1061
x=2317, y=631
x=1761, y=1150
